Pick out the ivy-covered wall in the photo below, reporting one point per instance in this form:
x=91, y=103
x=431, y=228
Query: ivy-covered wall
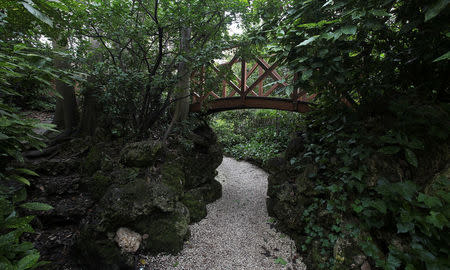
x=366, y=191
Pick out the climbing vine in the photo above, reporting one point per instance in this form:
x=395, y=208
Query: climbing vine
x=369, y=188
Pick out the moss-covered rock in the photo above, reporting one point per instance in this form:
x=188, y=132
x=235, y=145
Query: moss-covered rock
x=142, y=197
x=201, y=168
x=347, y=254
x=141, y=154
x=211, y=191
x=95, y=252
x=93, y=161
x=173, y=176
x=97, y=184
x=165, y=232
x=194, y=201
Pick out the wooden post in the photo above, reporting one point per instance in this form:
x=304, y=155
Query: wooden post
x=260, y=86
x=294, y=95
x=224, y=89
x=243, y=78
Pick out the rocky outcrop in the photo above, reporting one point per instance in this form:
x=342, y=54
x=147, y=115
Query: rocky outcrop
x=303, y=195
x=140, y=201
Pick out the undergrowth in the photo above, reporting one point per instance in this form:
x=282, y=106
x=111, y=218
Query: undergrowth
x=375, y=183
x=255, y=135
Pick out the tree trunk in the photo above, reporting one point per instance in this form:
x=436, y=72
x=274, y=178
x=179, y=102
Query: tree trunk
x=91, y=106
x=184, y=75
x=183, y=85
x=66, y=114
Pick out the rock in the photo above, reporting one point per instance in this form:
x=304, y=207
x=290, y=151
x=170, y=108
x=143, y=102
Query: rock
x=211, y=191
x=295, y=147
x=95, y=252
x=97, y=184
x=141, y=154
x=173, y=176
x=276, y=164
x=194, y=201
x=55, y=166
x=93, y=161
x=128, y=240
x=200, y=168
x=166, y=231
x=366, y=266
x=347, y=254
x=141, y=197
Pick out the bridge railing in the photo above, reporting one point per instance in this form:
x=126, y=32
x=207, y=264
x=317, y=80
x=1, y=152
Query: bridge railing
x=258, y=81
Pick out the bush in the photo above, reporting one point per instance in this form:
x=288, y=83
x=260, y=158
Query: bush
x=16, y=132
x=256, y=135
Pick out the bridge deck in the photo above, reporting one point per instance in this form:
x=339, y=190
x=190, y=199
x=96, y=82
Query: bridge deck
x=235, y=103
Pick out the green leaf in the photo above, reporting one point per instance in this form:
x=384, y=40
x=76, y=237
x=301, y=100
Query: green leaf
x=443, y=57
x=348, y=30
x=20, y=195
x=430, y=201
x=28, y=261
x=392, y=262
x=37, y=206
x=281, y=261
x=21, y=223
x=435, y=9
x=20, y=179
x=26, y=171
x=389, y=150
x=306, y=74
x=411, y=157
x=379, y=205
x=36, y=13
x=309, y=40
x=404, y=227
x=3, y=136
x=437, y=219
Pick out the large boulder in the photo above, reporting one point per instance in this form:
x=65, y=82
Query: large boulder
x=142, y=154
x=141, y=197
x=165, y=232
x=137, y=200
x=196, y=204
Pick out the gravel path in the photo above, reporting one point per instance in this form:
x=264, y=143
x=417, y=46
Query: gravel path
x=237, y=233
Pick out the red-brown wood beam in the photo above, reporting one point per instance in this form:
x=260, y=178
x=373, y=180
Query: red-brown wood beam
x=226, y=104
x=224, y=89
x=260, y=85
x=273, y=88
x=228, y=81
x=274, y=74
x=262, y=77
x=252, y=70
x=243, y=78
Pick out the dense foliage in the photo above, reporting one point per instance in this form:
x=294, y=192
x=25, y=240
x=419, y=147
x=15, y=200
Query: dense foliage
x=255, y=135
x=368, y=52
x=379, y=190
x=25, y=70
x=388, y=61
x=380, y=69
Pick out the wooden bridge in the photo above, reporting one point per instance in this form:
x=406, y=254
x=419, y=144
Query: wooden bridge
x=260, y=87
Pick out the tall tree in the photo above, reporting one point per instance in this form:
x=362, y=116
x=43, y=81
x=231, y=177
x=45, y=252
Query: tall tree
x=66, y=114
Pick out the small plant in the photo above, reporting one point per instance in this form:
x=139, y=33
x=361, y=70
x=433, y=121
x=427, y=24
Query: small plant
x=281, y=261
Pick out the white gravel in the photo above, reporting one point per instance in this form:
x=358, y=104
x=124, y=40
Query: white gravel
x=237, y=233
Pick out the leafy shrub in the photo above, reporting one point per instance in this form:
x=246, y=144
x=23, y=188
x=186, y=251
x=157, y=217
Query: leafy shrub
x=256, y=135
x=16, y=132
x=119, y=96
x=401, y=223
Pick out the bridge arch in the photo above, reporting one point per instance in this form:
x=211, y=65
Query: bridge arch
x=248, y=91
